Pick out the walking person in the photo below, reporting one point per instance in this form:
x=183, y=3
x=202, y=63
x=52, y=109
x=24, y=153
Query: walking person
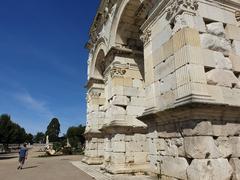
x=23, y=152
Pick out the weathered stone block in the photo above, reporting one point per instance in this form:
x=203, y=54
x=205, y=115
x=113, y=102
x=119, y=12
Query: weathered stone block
x=235, y=163
x=186, y=36
x=128, y=82
x=137, y=83
x=118, y=147
x=222, y=77
x=120, y=100
x=216, y=13
x=216, y=29
x=195, y=22
x=236, y=47
x=136, y=101
x=130, y=91
x=152, y=146
x=166, y=84
x=117, y=110
x=222, y=62
x=168, y=131
x=160, y=144
x=140, y=157
x=174, y=167
x=190, y=73
x=215, y=169
x=193, y=128
x=132, y=73
x=170, y=149
x=129, y=157
x=235, y=142
x=163, y=52
x=232, y=32
x=117, y=81
x=209, y=41
x=118, y=158
x=140, y=137
x=231, y=95
x=201, y=147
x=158, y=39
x=224, y=146
x=235, y=59
x=188, y=54
x=135, y=110
x=166, y=99
x=164, y=68
x=116, y=90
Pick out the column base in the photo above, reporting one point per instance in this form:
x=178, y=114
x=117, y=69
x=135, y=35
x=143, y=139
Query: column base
x=93, y=160
x=127, y=168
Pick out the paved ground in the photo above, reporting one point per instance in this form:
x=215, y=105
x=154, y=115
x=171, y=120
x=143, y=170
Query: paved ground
x=53, y=168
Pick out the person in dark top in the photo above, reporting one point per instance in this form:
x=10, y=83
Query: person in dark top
x=23, y=152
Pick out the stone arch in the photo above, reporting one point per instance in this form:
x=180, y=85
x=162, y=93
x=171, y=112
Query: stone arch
x=97, y=63
x=130, y=9
x=126, y=28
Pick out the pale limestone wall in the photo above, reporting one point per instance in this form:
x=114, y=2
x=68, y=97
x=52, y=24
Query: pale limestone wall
x=194, y=60
x=195, y=150
x=168, y=104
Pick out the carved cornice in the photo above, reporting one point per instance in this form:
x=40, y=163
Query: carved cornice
x=193, y=111
x=105, y=11
x=179, y=6
x=121, y=52
x=91, y=81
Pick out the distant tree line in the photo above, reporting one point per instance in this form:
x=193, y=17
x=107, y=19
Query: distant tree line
x=12, y=133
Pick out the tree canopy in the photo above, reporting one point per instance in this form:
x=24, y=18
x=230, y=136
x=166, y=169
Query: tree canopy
x=53, y=130
x=39, y=137
x=75, y=135
x=10, y=132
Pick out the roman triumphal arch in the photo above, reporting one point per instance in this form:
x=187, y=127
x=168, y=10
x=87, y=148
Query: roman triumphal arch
x=164, y=88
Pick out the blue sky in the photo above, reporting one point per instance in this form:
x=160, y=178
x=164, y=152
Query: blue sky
x=43, y=63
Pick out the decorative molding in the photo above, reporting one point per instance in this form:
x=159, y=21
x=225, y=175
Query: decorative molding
x=146, y=37
x=116, y=71
x=237, y=15
x=95, y=94
x=177, y=7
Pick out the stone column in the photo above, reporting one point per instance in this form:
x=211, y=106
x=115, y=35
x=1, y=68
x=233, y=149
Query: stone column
x=125, y=144
x=94, y=151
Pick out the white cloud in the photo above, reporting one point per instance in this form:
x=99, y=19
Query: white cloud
x=34, y=104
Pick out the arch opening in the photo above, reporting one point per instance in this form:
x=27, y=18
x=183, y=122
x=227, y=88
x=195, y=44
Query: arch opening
x=99, y=65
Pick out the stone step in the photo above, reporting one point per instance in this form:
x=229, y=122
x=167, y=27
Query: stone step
x=92, y=171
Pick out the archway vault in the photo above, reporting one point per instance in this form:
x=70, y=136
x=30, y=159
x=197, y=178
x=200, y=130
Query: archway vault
x=129, y=17
x=97, y=62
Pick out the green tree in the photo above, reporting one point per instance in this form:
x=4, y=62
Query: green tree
x=75, y=135
x=39, y=137
x=53, y=130
x=6, y=126
x=10, y=132
x=29, y=138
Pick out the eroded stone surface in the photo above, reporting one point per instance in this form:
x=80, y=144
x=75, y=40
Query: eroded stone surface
x=204, y=169
x=174, y=167
x=201, y=147
x=235, y=163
